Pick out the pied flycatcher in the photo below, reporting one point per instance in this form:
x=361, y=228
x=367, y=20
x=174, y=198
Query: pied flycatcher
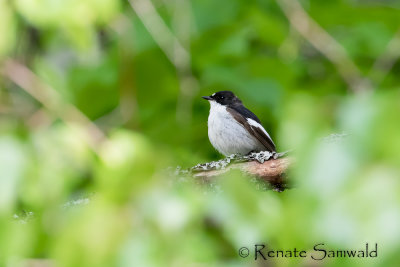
x=233, y=129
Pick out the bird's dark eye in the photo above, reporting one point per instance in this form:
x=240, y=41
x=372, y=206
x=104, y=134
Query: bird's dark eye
x=222, y=97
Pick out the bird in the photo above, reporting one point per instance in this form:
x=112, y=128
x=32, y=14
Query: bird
x=233, y=129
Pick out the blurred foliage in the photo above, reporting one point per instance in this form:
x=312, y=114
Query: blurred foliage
x=103, y=59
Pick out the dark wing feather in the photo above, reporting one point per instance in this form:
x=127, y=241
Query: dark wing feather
x=241, y=117
x=242, y=110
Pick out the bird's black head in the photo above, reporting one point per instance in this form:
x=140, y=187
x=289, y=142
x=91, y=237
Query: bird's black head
x=224, y=98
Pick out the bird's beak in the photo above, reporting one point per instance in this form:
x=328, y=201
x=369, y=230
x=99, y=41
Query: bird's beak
x=207, y=97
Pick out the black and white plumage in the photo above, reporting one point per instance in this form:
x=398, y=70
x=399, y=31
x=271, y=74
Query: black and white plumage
x=233, y=129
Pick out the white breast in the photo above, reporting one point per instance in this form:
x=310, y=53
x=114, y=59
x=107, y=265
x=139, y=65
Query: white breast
x=227, y=135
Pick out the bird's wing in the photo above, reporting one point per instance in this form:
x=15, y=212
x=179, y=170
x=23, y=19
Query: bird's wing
x=252, y=124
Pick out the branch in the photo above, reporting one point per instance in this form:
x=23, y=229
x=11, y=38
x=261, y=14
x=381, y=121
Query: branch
x=177, y=51
x=22, y=76
x=325, y=44
x=269, y=167
x=160, y=32
x=272, y=171
x=386, y=61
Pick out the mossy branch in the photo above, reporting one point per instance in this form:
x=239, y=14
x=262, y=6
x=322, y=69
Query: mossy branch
x=272, y=171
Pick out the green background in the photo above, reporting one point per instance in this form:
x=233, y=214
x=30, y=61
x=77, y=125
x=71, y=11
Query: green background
x=99, y=98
